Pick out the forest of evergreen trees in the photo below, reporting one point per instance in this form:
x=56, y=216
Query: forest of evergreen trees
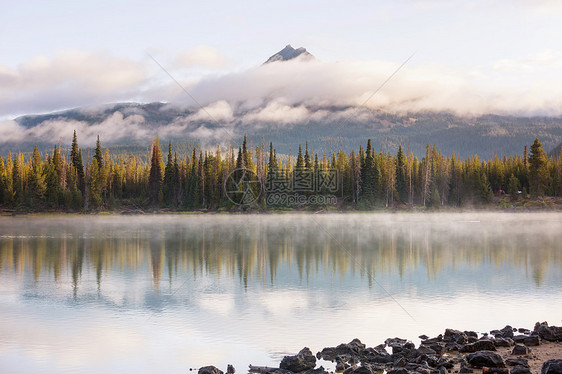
x=62, y=181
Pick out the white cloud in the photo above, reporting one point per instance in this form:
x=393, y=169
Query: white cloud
x=68, y=79
x=201, y=56
x=220, y=111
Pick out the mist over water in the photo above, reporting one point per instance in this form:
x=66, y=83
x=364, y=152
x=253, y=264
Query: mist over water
x=168, y=293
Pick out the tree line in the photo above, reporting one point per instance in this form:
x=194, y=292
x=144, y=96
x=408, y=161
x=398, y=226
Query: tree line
x=366, y=179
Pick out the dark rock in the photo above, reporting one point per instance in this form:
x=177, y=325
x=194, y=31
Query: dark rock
x=452, y=347
x=395, y=342
x=230, y=369
x=455, y=336
x=507, y=332
x=320, y=370
x=425, y=350
x=209, y=370
x=472, y=339
x=398, y=371
x=448, y=364
x=340, y=366
x=552, y=367
x=377, y=355
x=517, y=361
x=485, y=358
x=442, y=370
x=423, y=337
x=531, y=340
x=411, y=366
x=524, y=331
x=480, y=345
x=487, y=370
x=352, y=348
x=465, y=369
x=437, y=339
x=471, y=333
x=504, y=342
x=421, y=370
x=550, y=333
x=350, y=369
x=520, y=369
x=303, y=361
x=363, y=370
x=520, y=350
x=400, y=362
x=438, y=348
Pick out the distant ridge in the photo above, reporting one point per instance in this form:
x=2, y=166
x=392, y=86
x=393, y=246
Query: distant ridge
x=289, y=53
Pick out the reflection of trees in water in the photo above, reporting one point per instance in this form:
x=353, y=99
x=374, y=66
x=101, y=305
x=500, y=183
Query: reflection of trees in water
x=262, y=252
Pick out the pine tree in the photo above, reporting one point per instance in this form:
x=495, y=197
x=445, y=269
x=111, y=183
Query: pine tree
x=401, y=186
x=538, y=169
x=156, y=171
x=76, y=156
x=98, y=155
x=513, y=187
x=3, y=184
x=169, y=182
x=307, y=161
x=95, y=185
x=368, y=184
x=17, y=181
x=300, y=160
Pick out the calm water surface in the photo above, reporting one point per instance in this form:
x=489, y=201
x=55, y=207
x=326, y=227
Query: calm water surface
x=153, y=294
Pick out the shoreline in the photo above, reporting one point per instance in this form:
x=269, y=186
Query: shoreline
x=507, y=350
x=165, y=211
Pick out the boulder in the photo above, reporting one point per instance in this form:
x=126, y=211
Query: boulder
x=507, y=332
x=398, y=371
x=209, y=370
x=320, y=370
x=363, y=370
x=480, y=345
x=352, y=348
x=303, y=361
x=520, y=369
x=230, y=369
x=552, y=367
x=504, y=342
x=485, y=358
x=455, y=336
x=550, y=333
x=517, y=362
x=437, y=339
x=529, y=340
x=520, y=350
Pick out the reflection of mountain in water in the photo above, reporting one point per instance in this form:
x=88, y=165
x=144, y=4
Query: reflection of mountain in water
x=267, y=251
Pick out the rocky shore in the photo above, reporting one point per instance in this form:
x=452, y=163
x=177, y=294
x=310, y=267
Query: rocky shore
x=505, y=351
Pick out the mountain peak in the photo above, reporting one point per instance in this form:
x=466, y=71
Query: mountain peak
x=289, y=53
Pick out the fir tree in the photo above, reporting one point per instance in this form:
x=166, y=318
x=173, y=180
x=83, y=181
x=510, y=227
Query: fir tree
x=95, y=185
x=513, y=187
x=537, y=169
x=76, y=156
x=155, y=177
x=98, y=155
x=401, y=186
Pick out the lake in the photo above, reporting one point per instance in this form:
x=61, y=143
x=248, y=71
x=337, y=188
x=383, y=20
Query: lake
x=166, y=293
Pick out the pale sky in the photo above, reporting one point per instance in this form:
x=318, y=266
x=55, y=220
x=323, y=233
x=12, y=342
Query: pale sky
x=61, y=54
